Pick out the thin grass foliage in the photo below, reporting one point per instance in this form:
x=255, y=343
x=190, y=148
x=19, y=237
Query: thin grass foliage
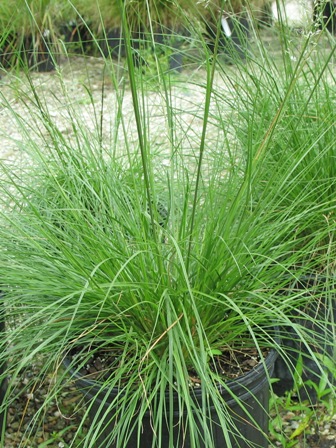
x=168, y=255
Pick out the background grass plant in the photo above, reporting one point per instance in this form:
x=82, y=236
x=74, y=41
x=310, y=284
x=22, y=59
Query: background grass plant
x=43, y=30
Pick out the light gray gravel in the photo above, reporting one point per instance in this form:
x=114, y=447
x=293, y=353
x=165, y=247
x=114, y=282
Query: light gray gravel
x=68, y=90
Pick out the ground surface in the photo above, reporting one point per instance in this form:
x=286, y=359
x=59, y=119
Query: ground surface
x=292, y=425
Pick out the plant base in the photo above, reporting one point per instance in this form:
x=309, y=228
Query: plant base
x=250, y=415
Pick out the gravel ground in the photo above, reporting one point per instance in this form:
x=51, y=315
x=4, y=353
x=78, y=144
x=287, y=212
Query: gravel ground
x=70, y=92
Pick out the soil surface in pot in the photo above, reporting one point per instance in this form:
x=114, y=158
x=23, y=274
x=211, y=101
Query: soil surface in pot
x=231, y=364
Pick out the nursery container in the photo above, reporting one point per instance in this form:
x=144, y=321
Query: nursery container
x=2, y=367
x=251, y=424
x=162, y=40
x=233, y=41
x=322, y=310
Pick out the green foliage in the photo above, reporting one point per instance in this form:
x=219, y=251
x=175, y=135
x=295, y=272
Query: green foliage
x=30, y=31
x=304, y=417
x=167, y=258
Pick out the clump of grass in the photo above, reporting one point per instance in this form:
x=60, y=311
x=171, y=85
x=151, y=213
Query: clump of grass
x=104, y=247
x=31, y=32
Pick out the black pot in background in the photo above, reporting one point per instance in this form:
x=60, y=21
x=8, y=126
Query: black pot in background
x=325, y=14
x=163, y=38
x=3, y=381
x=233, y=37
x=252, y=389
x=176, y=61
x=37, y=54
x=323, y=341
x=114, y=45
x=77, y=37
x=34, y=51
x=7, y=50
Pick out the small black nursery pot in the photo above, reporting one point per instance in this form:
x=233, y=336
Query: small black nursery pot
x=37, y=53
x=321, y=308
x=325, y=15
x=163, y=38
x=232, y=39
x=3, y=382
x=33, y=50
x=77, y=37
x=7, y=49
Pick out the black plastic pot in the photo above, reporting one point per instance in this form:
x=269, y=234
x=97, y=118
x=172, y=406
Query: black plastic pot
x=163, y=37
x=251, y=424
x=33, y=51
x=324, y=15
x=77, y=37
x=7, y=50
x=3, y=381
x=233, y=37
x=321, y=330
x=37, y=54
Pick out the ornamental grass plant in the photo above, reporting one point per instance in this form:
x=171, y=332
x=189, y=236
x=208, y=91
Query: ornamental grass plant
x=167, y=242
x=30, y=32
